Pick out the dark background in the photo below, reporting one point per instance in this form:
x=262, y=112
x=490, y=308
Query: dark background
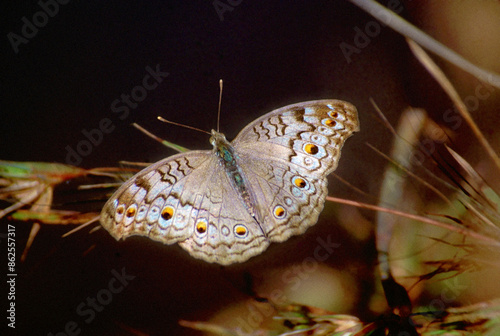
x=269, y=54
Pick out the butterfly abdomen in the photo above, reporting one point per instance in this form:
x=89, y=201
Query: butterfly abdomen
x=228, y=159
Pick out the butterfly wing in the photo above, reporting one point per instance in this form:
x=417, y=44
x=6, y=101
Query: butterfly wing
x=286, y=156
x=145, y=204
x=232, y=235
x=186, y=198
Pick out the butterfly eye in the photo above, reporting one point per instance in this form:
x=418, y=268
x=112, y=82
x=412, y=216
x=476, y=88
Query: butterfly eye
x=279, y=211
x=329, y=122
x=311, y=149
x=240, y=231
x=167, y=213
x=300, y=182
x=201, y=227
x=131, y=211
x=333, y=114
x=120, y=210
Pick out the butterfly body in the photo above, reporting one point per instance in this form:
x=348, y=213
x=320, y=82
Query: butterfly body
x=226, y=205
x=228, y=159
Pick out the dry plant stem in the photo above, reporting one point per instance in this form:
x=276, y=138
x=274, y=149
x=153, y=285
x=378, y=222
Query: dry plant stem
x=79, y=227
x=148, y=133
x=440, y=77
x=217, y=330
x=169, y=144
x=42, y=204
x=382, y=116
x=476, y=179
x=405, y=28
x=448, y=226
x=33, y=195
x=392, y=192
x=413, y=175
x=105, y=171
x=99, y=186
x=133, y=163
x=353, y=187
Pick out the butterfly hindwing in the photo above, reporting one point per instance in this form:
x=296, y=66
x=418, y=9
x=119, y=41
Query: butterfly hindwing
x=231, y=234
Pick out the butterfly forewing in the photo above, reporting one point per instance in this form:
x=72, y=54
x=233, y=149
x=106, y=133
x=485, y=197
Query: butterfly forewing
x=303, y=134
x=287, y=155
x=157, y=201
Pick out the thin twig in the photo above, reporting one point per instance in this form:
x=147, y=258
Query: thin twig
x=455, y=228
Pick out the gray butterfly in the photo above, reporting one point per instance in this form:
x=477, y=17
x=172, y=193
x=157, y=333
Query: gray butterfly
x=228, y=204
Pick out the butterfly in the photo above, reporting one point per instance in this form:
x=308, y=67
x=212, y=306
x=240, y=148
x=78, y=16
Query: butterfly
x=228, y=204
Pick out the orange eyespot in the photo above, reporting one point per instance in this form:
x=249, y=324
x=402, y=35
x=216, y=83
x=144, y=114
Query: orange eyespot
x=131, y=212
x=167, y=213
x=311, y=149
x=201, y=227
x=240, y=230
x=301, y=183
x=120, y=210
x=330, y=122
x=279, y=211
x=333, y=114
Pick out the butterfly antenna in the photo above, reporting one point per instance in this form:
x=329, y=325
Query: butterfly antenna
x=220, y=102
x=182, y=125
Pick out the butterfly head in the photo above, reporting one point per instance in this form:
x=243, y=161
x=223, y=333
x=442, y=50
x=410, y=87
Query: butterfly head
x=217, y=138
x=223, y=149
